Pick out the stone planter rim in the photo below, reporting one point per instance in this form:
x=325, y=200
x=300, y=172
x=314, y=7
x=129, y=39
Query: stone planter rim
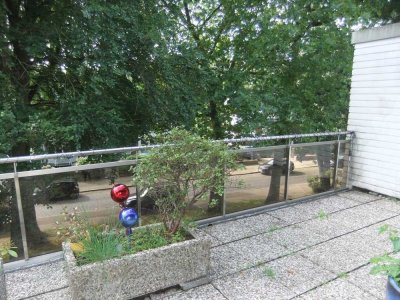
x=185, y=263
x=72, y=261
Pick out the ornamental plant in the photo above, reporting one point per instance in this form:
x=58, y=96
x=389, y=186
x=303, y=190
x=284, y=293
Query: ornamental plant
x=182, y=171
x=7, y=250
x=388, y=264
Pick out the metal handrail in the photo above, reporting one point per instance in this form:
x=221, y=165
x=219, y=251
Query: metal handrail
x=289, y=136
x=17, y=175
x=139, y=148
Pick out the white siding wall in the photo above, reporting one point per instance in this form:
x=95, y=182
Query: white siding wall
x=375, y=111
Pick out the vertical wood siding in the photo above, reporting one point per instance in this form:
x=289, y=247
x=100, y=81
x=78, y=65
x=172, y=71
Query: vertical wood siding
x=374, y=115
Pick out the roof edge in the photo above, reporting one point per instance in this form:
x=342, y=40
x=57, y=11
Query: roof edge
x=377, y=33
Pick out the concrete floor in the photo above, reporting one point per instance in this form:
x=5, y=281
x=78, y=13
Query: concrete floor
x=314, y=250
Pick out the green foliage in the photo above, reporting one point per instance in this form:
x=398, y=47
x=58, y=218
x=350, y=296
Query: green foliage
x=182, y=171
x=98, y=242
x=269, y=272
x=278, y=66
x=320, y=184
x=314, y=182
x=101, y=243
x=7, y=250
x=322, y=215
x=153, y=237
x=387, y=264
x=273, y=228
x=73, y=225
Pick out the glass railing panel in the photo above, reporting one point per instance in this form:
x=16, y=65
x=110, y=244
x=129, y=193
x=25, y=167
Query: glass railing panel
x=210, y=206
x=10, y=230
x=313, y=170
x=343, y=164
x=55, y=204
x=261, y=181
x=199, y=210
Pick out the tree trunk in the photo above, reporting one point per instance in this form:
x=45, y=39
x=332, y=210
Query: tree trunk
x=324, y=157
x=276, y=173
x=35, y=237
x=19, y=68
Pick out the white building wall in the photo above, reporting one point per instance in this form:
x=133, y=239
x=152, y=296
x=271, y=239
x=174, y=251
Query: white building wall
x=375, y=110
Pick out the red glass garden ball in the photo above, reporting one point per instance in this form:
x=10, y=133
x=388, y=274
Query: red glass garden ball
x=119, y=193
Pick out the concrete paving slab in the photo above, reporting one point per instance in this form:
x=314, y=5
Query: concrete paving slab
x=62, y=294
x=383, y=208
x=377, y=240
x=298, y=273
x=292, y=214
x=258, y=249
x=338, y=289
x=373, y=284
x=36, y=280
x=263, y=223
x=326, y=227
x=200, y=293
x=390, y=204
x=312, y=209
x=342, y=254
x=252, y=284
x=359, y=196
x=395, y=222
x=361, y=216
x=328, y=205
x=225, y=260
x=165, y=293
x=230, y=231
x=296, y=237
x=200, y=233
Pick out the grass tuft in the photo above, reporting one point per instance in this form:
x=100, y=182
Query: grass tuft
x=100, y=244
x=269, y=272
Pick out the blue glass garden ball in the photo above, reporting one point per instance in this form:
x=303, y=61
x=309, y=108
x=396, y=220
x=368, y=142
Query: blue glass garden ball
x=128, y=217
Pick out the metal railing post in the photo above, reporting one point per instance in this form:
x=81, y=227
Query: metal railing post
x=223, y=202
x=288, y=152
x=223, y=205
x=20, y=212
x=336, y=166
x=138, y=198
x=349, y=161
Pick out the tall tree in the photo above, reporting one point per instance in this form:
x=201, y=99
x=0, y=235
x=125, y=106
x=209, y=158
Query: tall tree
x=83, y=74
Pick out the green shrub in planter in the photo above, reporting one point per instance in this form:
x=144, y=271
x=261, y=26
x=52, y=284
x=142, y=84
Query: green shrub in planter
x=101, y=243
x=182, y=171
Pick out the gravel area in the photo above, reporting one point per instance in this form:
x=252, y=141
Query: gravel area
x=319, y=249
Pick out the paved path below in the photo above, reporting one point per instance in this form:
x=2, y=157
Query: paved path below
x=314, y=250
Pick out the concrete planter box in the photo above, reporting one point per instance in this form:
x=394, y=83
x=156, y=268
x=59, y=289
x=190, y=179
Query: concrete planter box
x=141, y=273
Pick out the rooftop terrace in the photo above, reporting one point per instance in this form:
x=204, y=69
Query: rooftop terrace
x=318, y=249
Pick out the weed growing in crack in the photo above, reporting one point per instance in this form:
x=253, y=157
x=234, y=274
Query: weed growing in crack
x=269, y=272
x=273, y=228
x=322, y=215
